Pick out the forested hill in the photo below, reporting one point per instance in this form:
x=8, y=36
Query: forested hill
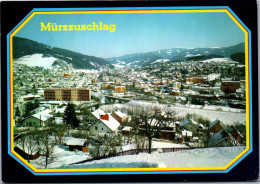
x=23, y=47
x=236, y=52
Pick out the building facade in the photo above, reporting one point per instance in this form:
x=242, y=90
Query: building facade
x=72, y=94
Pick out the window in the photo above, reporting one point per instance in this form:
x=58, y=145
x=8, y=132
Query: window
x=102, y=129
x=96, y=128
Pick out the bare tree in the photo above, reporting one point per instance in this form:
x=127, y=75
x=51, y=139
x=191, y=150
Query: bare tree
x=107, y=145
x=22, y=143
x=153, y=119
x=47, y=147
x=59, y=132
x=31, y=144
x=140, y=142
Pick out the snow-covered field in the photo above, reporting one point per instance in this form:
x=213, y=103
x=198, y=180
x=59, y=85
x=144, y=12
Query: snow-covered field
x=203, y=157
x=225, y=114
x=36, y=60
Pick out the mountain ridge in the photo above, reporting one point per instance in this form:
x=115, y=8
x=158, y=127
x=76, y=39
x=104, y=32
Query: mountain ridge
x=175, y=54
x=24, y=46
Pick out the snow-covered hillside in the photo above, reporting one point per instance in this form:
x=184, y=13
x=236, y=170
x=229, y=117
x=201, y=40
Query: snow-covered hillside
x=203, y=157
x=36, y=60
x=219, y=60
x=175, y=54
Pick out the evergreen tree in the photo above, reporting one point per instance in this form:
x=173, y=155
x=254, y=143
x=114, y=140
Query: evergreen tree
x=70, y=116
x=97, y=106
x=17, y=112
x=30, y=106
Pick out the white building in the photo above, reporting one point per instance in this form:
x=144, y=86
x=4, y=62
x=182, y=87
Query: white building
x=105, y=125
x=40, y=119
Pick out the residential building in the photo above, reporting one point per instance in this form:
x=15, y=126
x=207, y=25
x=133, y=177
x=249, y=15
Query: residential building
x=119, y=116
x=39, y=119
x=105, y=125
x=70, y=94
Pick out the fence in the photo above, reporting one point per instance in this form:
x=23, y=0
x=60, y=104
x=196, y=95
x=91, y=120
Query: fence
x=133, y=152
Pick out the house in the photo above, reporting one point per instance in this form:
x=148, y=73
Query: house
x=104, y=125
x=39, y=119
x=230, y=86
x=166, y=132
x=119, y=116
x=126, y=130
x=215, y=126
x=238, y=137
x=92, y=118
x=25, y=153
x=186, y=135
x=189, y=124
x=221, y=138
x=29, y=97
x=75, y=144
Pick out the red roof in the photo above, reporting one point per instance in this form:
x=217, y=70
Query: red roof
x=105, y=117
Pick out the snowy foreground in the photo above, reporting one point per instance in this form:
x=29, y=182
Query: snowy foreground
x=63, y=157
x=202, y=157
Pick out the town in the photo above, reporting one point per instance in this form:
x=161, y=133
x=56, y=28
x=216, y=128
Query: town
x=95, y=114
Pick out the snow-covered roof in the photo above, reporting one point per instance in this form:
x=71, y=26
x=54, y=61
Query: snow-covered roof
x=177, y=122
x=43, y=115
x=111, y=123
x=120, y=114
x=60, y=110
x=98, y=113
x=127, y=128
x=186, y=132
x=59, y=120
x=194, y=122
x=31, y=96
x=195, y=138
x=202, y=126
x=75, y=141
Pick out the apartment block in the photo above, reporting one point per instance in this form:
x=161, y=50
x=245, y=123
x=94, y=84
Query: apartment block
x=72, y=94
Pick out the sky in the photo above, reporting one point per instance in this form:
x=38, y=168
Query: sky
x=136, y=32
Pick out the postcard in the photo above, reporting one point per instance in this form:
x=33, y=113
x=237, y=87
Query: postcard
x=165, y=91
